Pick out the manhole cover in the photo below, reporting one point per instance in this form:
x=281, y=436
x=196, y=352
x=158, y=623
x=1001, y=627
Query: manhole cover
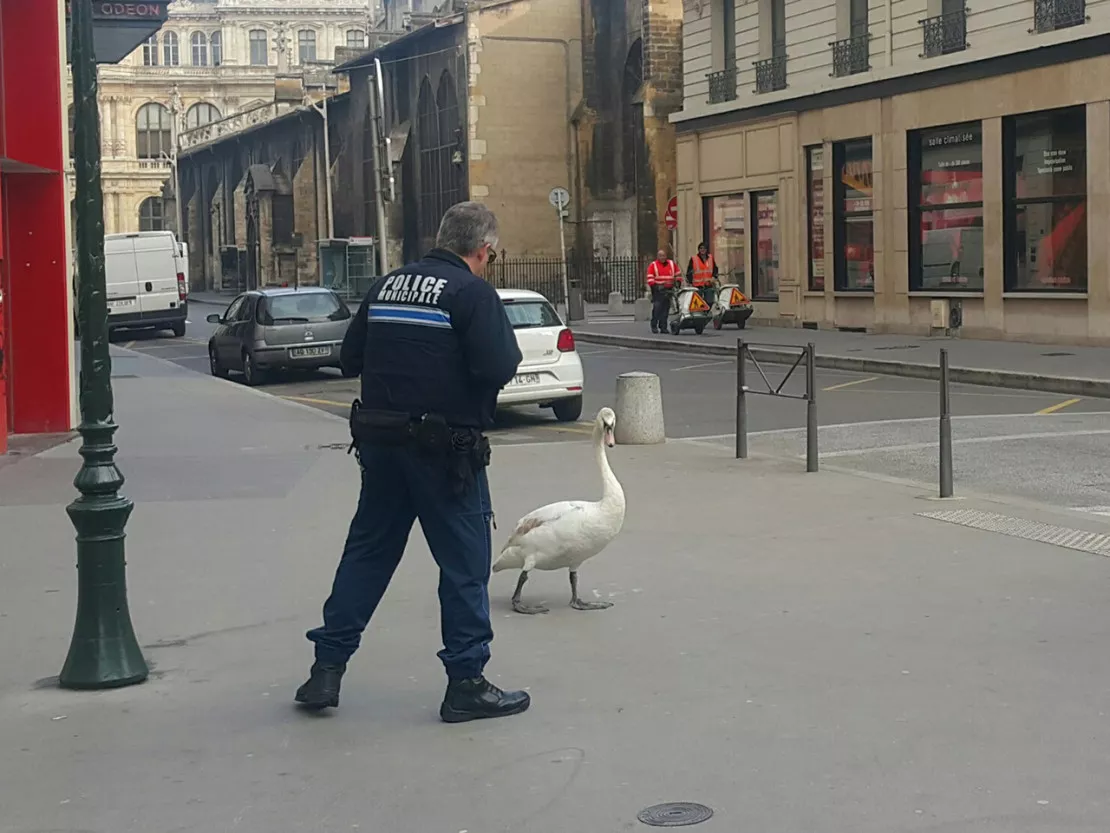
x=1057, y=354
x=675, y=814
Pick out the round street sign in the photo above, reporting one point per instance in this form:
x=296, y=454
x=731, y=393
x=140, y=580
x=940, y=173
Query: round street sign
x=671, y=217
x=559, y=198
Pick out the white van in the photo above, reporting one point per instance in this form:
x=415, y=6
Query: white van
x=145, y=276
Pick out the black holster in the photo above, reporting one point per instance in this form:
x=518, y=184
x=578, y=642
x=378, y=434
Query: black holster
x=464, y=451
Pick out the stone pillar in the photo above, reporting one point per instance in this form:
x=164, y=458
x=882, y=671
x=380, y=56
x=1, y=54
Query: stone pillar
x=1098, y=221
x=639, y=409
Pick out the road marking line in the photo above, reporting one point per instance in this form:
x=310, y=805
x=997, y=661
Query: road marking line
x=312, y=401
x=1104, y=511
x=704, y=364
x=129, y=345
x=843, y=385
x=1059, y=406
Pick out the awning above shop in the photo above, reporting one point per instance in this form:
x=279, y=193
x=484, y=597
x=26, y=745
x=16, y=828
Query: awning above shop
x=119, y=26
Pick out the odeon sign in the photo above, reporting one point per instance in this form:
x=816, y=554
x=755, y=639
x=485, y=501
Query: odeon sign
x=128, y=11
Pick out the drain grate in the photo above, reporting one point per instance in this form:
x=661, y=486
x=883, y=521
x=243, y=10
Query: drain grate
x=675, y=814
x=1057, y=354
x=1094, y=543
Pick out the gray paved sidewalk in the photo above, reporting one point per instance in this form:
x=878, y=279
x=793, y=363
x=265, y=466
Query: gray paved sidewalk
x=800, y=652
x=1084, y=371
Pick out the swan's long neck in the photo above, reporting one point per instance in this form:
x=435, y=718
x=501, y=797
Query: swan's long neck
x=612, y=495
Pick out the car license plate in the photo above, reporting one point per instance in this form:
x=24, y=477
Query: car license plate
x=310, y=352
x=526, y=379
x=120, y=303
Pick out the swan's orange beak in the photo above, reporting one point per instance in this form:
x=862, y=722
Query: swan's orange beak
x=607, y=435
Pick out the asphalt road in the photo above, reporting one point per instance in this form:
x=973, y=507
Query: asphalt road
x=1041, y=447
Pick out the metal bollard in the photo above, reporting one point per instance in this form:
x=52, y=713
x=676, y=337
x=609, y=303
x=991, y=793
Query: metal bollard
x=945, y=429
x=811, y=409
x=741, y=404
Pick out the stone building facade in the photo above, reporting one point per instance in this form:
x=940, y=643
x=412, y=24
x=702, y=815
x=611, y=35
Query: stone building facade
x=632, y=72
x=212, y=60
x=911, y=167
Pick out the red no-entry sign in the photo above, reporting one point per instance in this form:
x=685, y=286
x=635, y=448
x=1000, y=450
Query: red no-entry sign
x=671, y=217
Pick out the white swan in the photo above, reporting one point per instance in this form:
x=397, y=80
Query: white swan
x=563, y=535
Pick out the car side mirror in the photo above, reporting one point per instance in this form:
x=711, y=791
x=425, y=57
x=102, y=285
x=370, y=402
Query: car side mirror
x=214, y=318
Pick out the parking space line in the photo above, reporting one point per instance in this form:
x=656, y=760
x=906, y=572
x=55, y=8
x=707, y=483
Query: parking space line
x=1059, y=406
x=703, y=364
x=311, y=401
x=843, y=385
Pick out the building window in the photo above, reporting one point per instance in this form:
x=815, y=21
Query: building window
x=723, y=229
x=946, y=208
x=765, y=250
x=356, y=39
x=815, y=200
x=199, y=42
x=152, y=131
x=853, y=226
x=1045, y=198
x=853, y=53
x=150, y=51
x=151, y=215
x=1050, y=15
x=216, y=45
x=770, y=73
x=200, y=114
x=947, y=32
x=171, y=50
x=306, y=45
x=260, y=49
x=722, y=83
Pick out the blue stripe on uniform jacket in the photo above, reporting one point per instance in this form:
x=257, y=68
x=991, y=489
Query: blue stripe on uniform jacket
x=398, y=314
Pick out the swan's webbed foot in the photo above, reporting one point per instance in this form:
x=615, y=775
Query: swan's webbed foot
x=577, y=603
x=518, y=605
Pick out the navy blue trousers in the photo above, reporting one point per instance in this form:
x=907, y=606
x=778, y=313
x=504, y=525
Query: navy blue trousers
x=400, y=485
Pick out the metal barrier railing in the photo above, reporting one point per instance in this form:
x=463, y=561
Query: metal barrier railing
x=807, y=354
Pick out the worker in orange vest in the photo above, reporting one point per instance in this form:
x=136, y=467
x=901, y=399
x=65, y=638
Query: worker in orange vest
x=701, y=273
x=662, y=277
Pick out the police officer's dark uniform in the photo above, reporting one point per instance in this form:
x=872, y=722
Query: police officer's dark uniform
x=434, y=347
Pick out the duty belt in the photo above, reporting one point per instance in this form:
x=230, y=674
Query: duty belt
x=465, y=451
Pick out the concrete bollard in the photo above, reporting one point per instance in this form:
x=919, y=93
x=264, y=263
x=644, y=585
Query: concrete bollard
x=616, y=303
x=641, y=309
x=639, y=409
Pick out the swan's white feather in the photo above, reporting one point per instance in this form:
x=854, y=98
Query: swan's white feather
x=562, y=535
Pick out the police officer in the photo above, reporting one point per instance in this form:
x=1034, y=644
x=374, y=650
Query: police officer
x=434, y=346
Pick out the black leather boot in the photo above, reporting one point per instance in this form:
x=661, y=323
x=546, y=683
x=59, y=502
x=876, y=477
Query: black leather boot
x=321, y=691
x=478, y=698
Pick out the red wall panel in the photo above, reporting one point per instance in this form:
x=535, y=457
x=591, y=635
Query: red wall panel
x=30, y=72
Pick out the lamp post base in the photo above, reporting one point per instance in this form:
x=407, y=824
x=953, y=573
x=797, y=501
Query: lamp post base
x=104, y=652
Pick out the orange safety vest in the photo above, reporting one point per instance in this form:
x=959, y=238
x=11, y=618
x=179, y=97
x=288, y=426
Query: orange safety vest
x=703, y=271
x=663, y=276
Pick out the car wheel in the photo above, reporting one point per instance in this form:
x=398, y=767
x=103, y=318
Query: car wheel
x=251, y=374
x=567, y=410
x=218, y=370
x=178, y=329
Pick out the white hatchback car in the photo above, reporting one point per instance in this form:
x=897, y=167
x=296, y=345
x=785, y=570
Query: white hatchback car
x=550, y=374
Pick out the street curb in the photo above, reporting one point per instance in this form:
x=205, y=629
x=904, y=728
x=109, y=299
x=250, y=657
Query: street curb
x=1067, y=385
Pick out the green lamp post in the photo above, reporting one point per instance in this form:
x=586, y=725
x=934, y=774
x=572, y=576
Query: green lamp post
x=104, y=652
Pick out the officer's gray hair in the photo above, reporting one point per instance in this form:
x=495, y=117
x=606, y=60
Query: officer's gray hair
x=466, y=227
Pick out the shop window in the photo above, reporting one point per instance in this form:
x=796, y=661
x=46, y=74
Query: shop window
x=765, y=250
x=723, y=229
x=815, y=201
x=853, y=225
x=259, y=46
x=1045, y=198
x=946, y=208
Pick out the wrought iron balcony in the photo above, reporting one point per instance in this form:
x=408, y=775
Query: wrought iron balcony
x=945, y=33
x=770, y=74
x=722, y=85
x=851, y=55
x=1050, y=15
